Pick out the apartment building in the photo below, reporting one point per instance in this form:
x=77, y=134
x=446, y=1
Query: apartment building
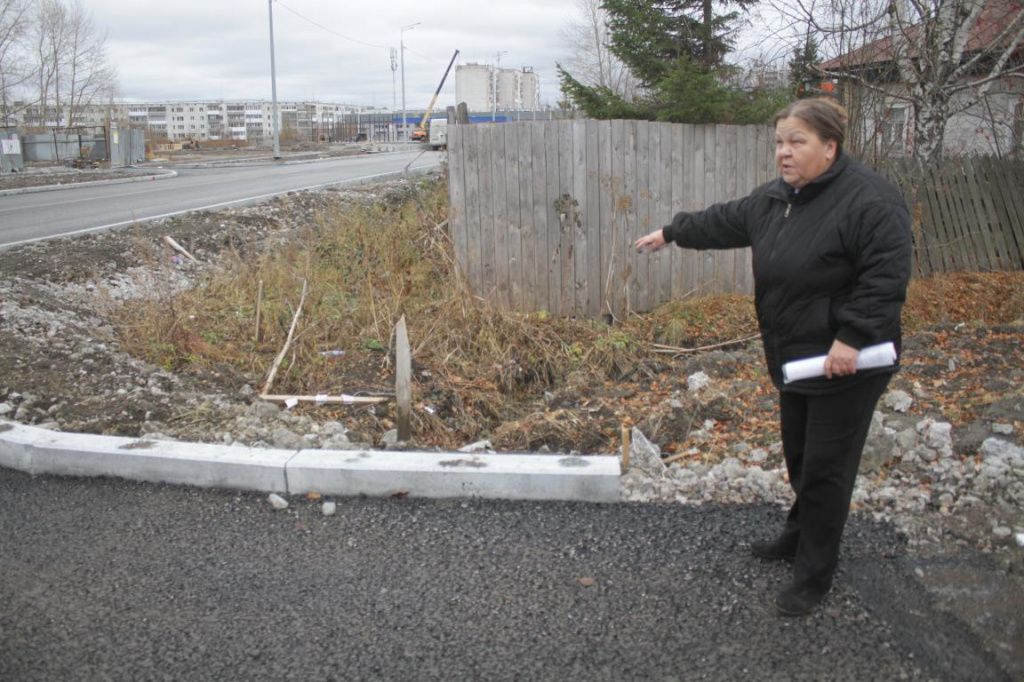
x=249, y=121
x=483, y=88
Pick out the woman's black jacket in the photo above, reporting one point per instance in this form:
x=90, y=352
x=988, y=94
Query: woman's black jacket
x=831, y=261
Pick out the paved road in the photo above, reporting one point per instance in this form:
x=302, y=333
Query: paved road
x=27, y=217
x=105, y=579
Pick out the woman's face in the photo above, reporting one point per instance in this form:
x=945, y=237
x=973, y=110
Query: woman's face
x=799, y=153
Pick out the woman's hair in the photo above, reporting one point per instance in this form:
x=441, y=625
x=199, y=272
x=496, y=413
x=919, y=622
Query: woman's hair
x=823, y=115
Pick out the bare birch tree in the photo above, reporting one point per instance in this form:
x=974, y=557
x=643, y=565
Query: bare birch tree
x=592, y=61
x=88, y=76
x=939, y=57
x=14, y=69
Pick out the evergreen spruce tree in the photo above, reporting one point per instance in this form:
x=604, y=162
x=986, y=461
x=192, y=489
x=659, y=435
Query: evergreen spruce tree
x=802, y=68
x=676, y=49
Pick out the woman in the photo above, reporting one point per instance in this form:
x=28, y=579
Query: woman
x=831, y=258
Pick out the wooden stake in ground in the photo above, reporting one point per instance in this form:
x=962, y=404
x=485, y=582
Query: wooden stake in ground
x=287, y=342
x=403, y=381
x=259, y=310
x=179, y=248
x=626, y=430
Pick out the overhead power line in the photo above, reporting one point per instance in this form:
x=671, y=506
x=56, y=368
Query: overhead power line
x=329, y=30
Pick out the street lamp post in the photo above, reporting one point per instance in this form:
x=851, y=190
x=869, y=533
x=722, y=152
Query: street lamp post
x=401, y=44
x=273, y=85
x=497, y=70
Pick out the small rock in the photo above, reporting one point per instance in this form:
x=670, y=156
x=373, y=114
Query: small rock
x=277, y=502
x=757, y=455
x=334, y=428
x=898, y=401
x=287, y=440
x=906, y=439
x=389, y=439
x=1002, y=429
x=937, y=435
x=695, y=382
x=1019, y=537
x=1002, y=532
x=6, y=409
x=645, y=455
x=998, y=449
x=329, y=508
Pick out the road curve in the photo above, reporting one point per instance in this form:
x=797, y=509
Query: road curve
x=33, y=217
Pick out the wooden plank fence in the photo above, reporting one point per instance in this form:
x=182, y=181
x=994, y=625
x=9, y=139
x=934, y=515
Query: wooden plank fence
x=969, y=214
x=543, y=214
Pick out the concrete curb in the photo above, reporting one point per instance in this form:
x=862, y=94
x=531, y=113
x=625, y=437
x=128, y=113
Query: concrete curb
x=92, y=183
x=329, y=472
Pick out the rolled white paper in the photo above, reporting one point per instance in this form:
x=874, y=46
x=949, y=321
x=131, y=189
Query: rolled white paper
x=870, y=357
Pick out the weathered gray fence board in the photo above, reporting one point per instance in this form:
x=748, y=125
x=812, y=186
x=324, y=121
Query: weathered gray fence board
x=513, y=207
x=532, y=294
x=577, y=225
x=473, y=201
x=641, y=279
x=676, y=203
x=485, y=136
x=457, y=220
x=609, y=211
x=663, y=206
x=592, y=222
x=1006, y=184
x=499, y=216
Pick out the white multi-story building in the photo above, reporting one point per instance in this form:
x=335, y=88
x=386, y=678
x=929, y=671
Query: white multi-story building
x=242, y=120
x=484, y=88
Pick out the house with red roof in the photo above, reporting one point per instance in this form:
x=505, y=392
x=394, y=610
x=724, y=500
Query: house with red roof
x=977, y=69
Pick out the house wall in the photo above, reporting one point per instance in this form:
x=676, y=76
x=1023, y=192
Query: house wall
x=882, y=122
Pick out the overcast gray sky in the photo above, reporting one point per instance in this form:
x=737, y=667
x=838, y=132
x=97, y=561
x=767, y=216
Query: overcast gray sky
x=214, y=49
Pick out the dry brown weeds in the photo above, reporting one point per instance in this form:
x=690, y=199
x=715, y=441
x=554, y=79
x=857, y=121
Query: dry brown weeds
x=478, y=370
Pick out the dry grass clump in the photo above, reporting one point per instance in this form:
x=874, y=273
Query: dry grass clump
x=367, y=266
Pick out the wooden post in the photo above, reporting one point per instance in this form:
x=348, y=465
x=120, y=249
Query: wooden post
x=259, y=310
x=403, y=381
x=626, y=430
x=287, y=342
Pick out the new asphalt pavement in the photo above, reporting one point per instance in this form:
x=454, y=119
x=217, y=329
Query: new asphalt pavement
x=108, y=579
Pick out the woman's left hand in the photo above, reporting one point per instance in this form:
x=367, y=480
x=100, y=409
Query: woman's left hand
x=841, y=360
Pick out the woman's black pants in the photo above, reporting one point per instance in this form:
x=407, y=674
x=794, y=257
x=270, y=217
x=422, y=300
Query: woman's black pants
x=823, y=438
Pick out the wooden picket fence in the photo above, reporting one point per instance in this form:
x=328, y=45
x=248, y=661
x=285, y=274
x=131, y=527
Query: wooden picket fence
x=969, y=214
x=544, y=214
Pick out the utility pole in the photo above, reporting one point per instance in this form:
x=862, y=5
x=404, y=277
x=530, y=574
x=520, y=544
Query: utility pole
x=401, y=45
x=497, y=70
x=275, y=122
x=394, y=88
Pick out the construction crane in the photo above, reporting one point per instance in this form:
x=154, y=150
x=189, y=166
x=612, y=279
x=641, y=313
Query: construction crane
x=420, y=133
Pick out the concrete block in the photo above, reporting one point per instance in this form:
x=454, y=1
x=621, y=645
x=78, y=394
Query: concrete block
x=431, y=474
x=15, y=445
x=39, y=451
